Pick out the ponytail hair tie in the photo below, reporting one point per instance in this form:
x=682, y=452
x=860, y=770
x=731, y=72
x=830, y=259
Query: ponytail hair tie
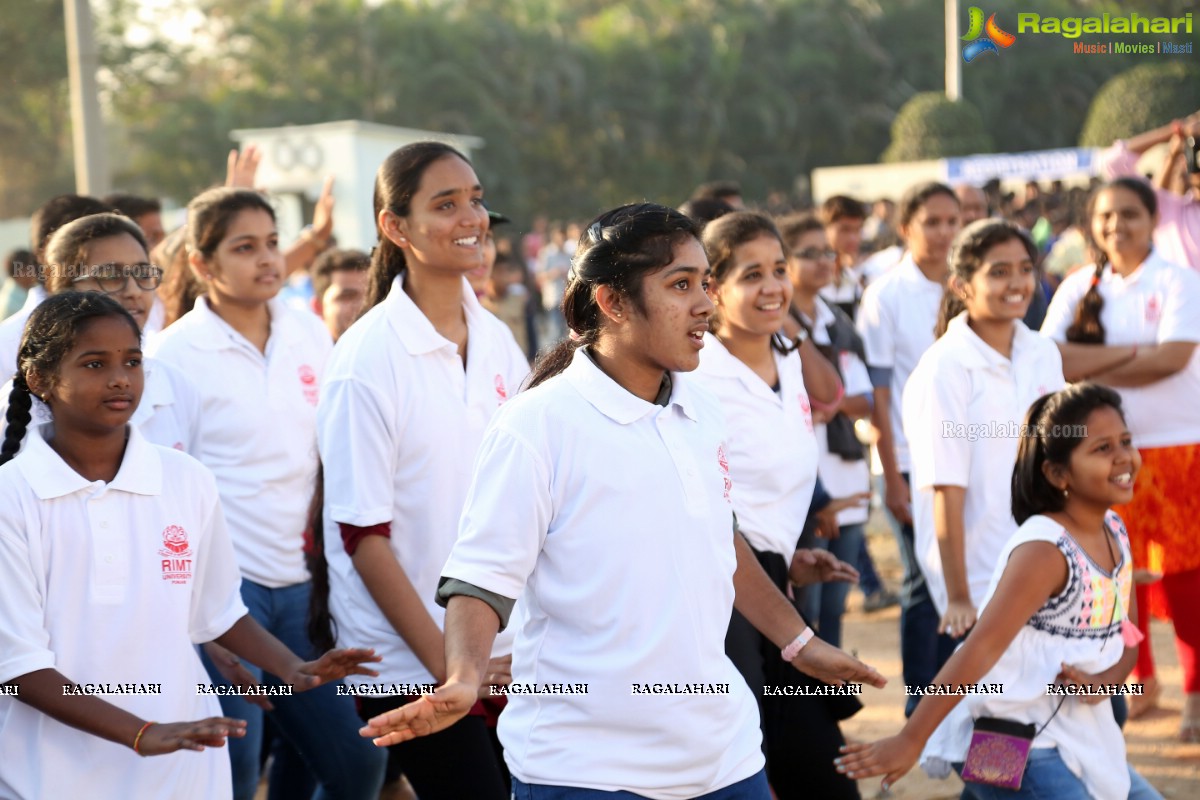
x=595, y=233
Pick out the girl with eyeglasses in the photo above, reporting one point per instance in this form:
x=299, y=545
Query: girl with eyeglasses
x=106, y=253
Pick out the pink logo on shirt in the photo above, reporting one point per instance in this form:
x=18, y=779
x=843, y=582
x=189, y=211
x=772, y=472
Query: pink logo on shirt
x=807, y=409
x=178, y=445
x=308, y=384
x=1153, y=308
x=723, y=464
x=177, y=561
x=501, y=392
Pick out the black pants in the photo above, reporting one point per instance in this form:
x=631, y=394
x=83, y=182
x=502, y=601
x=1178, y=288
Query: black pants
x=463, y=761
x=800, y=733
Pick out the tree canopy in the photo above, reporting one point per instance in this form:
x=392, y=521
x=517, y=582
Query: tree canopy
x=582, y=103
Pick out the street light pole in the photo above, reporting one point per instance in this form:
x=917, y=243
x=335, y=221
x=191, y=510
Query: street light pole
x=953, y=61
x=87, y=131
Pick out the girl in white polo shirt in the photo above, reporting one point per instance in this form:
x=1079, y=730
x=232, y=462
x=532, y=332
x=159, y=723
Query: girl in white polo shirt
x=963, y=407
x=114, y=561
x=602, y=498
x=772, y=451
x=896, y=318
x=258, y=365
x=407, y=395
x=1132, y=322
x=107, y=253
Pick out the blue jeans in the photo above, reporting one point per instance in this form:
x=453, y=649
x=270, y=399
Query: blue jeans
x=321, y=726
x=1047, y=778
x=826, y=602
x=923, y=650
x=752, y=788
x=868, y=577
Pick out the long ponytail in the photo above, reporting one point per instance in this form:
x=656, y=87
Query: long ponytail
x=17, y=418
x=322, y=630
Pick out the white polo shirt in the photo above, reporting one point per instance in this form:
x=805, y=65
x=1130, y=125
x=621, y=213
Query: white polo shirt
x=111, y=584
x=399, y=424
x=168, y=414
x=611, y=519
x=840, y=477
x=963, y=410
x=896, y=319
x=771, y=446
x=13, y=328
x=258, y=421
x=1158, y=302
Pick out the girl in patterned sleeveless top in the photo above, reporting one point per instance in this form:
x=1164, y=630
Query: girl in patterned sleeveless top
x=1057, y=634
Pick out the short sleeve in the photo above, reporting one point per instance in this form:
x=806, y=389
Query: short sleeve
x=1061, y=312
x=24, y=640
x=935, y=416
x=506, y=516
x=357, y=443
x=1181, y=314
x=216, y=593
x=876, y=328
x=854, y=372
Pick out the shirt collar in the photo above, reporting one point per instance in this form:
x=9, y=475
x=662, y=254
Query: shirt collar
x=720, y=362
x=910, y=271
x=1152, y=263
x=220, y=335
x=416, y=332
x=975, y=352
x=613, y=400
x=50, y=477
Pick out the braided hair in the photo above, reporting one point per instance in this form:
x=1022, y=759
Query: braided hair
x=49, y=335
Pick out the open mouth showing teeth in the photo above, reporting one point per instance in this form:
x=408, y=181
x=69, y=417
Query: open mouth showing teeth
x=770, y=307
x=467, y=241
x=697, y=335
x=1013, y=298
x=1124, y=479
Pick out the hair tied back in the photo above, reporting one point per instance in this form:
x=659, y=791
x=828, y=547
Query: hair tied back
x=595, y=233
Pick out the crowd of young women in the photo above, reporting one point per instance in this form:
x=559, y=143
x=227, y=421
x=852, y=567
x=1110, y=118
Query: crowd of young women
x=598, y=564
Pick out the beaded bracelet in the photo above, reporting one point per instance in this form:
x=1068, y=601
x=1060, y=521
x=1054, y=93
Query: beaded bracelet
x=138, y=739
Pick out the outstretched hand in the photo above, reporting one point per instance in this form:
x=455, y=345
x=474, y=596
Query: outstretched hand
x=892, y=758
x=333, y=665
x=819, y=566
x=834, y=666
x=322, y=221
x=431, y=713
x=167, y=737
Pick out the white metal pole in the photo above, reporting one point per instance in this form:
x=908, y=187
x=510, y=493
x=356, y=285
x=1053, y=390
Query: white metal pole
x=953, y=59
x=87, y=131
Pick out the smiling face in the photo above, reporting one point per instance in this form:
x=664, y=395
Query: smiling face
x=1002, y=286
x=932, y=229
x=1122, y=225
x=99, y=381
x=446, y=222
x=247, y=267
x=667, y=331
x=812, y=262
x=124, y=250
x=1104, y=466
x=755, y=294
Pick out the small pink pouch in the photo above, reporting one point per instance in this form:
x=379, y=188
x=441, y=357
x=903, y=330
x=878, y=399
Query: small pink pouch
x=998, y=752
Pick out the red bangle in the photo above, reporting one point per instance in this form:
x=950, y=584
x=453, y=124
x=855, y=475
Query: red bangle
x=138, y=739
x=827, y=407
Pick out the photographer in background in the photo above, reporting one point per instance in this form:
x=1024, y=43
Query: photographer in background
x=1177, y=236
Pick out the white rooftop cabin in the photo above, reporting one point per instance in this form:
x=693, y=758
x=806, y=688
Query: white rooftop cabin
x=297, y=158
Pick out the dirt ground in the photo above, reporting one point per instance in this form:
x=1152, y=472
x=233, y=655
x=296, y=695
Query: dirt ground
x=1169, y=765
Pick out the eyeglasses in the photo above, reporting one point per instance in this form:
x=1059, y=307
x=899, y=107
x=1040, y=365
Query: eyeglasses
x=816, y=254
x=113, y=278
